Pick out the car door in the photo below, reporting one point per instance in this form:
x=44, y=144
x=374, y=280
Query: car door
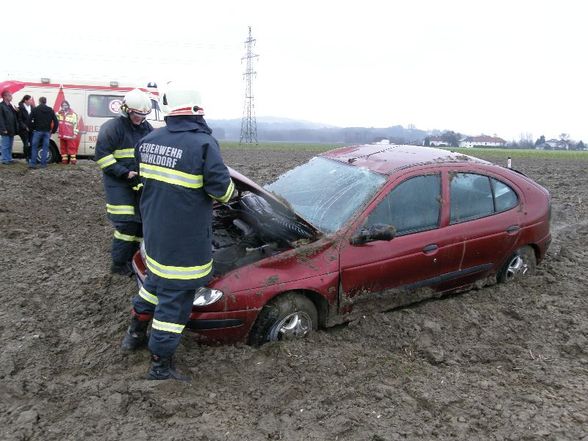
x=419, y=258
x=485, y=210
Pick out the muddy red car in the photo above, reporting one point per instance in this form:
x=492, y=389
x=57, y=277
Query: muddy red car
x=363, y=228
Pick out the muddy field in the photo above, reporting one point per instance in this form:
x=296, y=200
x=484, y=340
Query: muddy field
x=500, y=363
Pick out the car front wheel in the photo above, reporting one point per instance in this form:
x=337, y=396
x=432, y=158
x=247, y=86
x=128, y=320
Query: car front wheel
x=288, y=317
x=520, y=264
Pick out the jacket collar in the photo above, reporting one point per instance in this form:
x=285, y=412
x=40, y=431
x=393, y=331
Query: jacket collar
x=187, y=123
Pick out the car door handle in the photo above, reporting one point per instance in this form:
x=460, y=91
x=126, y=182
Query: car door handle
x=430, y=248
x=513, y=229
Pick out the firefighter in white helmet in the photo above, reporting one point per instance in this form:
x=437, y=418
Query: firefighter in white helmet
x=183, y=174
x=115, y=154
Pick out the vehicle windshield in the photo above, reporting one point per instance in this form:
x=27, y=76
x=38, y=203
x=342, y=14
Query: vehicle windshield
x=326, y=193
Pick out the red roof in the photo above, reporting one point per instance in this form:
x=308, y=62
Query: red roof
x=386, y=159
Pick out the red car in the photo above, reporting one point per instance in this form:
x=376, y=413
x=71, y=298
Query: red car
x=363, y=228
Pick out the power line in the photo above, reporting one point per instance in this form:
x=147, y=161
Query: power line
x=248, y=122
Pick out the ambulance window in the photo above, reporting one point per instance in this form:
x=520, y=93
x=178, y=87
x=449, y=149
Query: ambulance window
x=104, y=106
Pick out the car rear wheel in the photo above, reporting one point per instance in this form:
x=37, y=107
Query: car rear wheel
x=288, y=317
x=52, y=153
x=520, y=264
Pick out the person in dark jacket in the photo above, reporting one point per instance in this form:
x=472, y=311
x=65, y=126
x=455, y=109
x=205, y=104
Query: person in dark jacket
x=25, y=107
x=115, y=154
x=8, y=126
x=42, y=123
x=183, y=173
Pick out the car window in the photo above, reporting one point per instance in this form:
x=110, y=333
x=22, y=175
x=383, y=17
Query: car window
x=413, y=205
x=471, y=197
x=105, y=106
x=327, y=193
x=505, y=197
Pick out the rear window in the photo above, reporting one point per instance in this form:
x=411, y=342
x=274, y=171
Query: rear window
x=474, y=196
x=104, y=106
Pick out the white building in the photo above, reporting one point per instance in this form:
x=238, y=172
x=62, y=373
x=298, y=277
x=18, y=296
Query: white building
x=482, y=141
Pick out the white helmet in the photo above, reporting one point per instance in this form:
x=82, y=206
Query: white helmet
x=180, y=99
x=136, y=101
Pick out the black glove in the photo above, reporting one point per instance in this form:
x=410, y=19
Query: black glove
x=134, y=181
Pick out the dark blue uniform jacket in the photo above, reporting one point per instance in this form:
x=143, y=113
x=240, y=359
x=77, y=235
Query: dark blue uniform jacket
x=115, y=154
x=182, y=172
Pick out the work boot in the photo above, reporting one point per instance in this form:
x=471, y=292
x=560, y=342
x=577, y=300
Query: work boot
x=124, y=269
x=136, y=336
x=163, y=368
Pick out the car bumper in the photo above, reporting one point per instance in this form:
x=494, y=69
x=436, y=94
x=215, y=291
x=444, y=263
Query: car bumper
x=214, y=327
x=222, y=327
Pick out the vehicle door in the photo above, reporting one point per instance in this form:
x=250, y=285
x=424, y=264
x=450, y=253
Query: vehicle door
x=419, y=258
x=486, y=211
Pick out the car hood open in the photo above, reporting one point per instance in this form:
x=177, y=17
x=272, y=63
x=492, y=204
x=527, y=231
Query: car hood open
x=243, y=183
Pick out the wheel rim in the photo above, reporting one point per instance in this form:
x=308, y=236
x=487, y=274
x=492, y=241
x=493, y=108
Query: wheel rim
x=516, y=267
x=293, y=326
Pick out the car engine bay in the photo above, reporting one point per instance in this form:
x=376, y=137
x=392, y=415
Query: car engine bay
x=249, y=229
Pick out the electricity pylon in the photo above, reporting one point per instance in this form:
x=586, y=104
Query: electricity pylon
x=248, y=122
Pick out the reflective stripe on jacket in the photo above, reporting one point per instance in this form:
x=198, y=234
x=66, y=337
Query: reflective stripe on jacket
x=182, y=172
x=68, y=124
x=115, y=156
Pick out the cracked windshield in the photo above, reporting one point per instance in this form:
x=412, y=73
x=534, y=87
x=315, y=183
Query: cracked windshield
x=327, y=193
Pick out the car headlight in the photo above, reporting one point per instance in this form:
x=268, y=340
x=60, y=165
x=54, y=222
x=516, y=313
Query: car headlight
x=206, y=296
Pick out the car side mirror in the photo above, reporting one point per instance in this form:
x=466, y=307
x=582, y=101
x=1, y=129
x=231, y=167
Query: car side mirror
x=373, y=233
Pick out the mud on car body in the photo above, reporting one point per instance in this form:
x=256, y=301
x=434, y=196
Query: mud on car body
x=367, y=227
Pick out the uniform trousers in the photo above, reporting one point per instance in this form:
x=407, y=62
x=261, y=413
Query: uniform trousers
x=126, y=241
x=170, y=310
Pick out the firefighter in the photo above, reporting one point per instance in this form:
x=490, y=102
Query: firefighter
x=183, y=173
x=115, y=154
x=68, y=133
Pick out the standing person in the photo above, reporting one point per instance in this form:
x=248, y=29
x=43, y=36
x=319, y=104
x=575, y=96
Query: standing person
x=68, y=132
x=25, y=107
x=183, y=172
x=8, y=126
x=115, y=154
x=42, y=123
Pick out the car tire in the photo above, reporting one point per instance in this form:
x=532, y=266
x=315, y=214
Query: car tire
x=287, y=317
x=53, y=154
x=521, y=263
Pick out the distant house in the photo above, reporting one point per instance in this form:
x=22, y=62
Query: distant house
x=553, y=144
x=482, y=141
x=437, y=141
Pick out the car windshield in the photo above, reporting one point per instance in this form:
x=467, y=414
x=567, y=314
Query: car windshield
x=326, y=193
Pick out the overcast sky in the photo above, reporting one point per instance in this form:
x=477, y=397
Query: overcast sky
x=504, y=67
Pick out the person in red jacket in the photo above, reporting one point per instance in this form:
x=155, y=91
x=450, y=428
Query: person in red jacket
x=68, y=132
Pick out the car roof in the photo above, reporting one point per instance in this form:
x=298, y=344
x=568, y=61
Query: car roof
x=388, y=158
